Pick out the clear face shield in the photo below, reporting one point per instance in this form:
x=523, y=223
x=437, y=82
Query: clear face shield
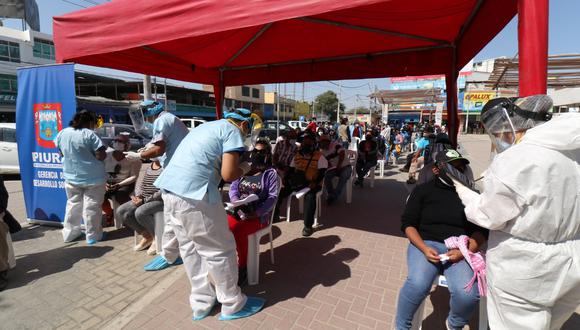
x=503, y=134
x=499, y=126
x=256, y=126
x=141, y=126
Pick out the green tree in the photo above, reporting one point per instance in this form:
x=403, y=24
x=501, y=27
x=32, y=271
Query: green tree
x=327, y=104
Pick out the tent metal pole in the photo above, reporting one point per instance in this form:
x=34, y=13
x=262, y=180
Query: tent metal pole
x=533, y=46
x=338, y=58
x=248, y=44
x=373, y=30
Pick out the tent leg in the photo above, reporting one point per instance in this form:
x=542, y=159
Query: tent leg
x=451, y=87
x=533, y=46
x=219, y=91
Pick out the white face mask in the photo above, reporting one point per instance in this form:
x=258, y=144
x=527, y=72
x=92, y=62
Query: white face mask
x=119, y=146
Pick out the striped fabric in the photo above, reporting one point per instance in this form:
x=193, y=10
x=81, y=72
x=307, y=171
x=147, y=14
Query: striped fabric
x=475, y=260
x=147, y=189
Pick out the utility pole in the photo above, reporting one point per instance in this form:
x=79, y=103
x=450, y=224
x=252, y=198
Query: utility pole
x=284, y=102
x=277, y=96
x=147, y=87
x=338, y=106
x=302, y=91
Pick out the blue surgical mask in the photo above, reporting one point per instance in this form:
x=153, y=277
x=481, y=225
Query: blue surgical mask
x=502, y=146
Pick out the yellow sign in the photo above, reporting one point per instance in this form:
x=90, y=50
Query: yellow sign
x=475, y=101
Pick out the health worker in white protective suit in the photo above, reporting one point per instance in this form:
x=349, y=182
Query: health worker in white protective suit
x=531, y=203
x=194, y=207
x=168, y=132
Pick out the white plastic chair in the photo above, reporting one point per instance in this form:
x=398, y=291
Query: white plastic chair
x=253, y=265
x=11, y=257
x=381, y=164
x=352, y=156
x=115, y=204
x=299, y=195
x=442, y=281
x=159, y=227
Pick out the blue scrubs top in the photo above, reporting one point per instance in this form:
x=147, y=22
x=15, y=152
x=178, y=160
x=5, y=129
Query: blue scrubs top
x=78, y=146
x=171, y=130
x=195, y=168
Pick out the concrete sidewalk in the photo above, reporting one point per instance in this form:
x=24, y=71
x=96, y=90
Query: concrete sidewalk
x=346, y=276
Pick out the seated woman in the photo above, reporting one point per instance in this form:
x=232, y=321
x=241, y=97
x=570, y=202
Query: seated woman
x=433, y=214
x=139, y=213
x=262, y=180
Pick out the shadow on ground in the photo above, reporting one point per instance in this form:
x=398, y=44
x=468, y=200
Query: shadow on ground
x=303, y=264
x=34, y=266
x=32, y=232
x=377, y=210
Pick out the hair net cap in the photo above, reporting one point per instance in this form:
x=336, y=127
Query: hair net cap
x=151, y=108
x=493, y=115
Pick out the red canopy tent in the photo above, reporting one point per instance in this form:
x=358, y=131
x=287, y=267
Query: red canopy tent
x=232, y=42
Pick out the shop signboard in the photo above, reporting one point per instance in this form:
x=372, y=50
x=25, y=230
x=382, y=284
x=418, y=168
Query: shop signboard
x=474, y=101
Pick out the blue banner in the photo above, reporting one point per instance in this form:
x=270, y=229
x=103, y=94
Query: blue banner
x=45, y=105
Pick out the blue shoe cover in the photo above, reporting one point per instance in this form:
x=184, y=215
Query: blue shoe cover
x=91, y=242
x=252, y=306
x=204, y=315
x=177, y=262
x=158, y=263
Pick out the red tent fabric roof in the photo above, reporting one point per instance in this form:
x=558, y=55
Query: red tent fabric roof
x=267, y=41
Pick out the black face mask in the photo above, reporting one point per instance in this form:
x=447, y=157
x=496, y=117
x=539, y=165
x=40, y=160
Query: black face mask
x=307, y=149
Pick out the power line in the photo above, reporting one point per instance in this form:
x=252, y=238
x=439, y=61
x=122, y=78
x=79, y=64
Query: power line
x=332, y=82
x=74, y=3
x=92, y=2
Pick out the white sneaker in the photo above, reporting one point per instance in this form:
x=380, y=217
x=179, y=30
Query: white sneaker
x=152, y=249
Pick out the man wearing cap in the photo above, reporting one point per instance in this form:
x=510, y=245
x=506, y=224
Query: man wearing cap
x=338, y=166
x=531, y=203
x=168, y=132
x=194, y=208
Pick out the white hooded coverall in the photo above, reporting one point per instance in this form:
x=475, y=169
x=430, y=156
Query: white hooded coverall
x=531, y=203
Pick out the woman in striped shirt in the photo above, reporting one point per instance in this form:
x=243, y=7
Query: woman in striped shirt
x=139, y=213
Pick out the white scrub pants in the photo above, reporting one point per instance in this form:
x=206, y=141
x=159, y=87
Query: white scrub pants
x=208, y=249
x=531, y=285
x=83, y=202
x=169, y=243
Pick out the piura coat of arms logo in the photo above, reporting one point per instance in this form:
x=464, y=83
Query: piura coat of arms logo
x=47, y=123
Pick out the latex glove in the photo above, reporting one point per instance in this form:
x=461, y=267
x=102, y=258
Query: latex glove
x=132, y=155
x=465, y=194
x=245, y=167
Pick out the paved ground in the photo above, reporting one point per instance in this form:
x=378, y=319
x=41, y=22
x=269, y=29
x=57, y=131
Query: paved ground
x=346, y=276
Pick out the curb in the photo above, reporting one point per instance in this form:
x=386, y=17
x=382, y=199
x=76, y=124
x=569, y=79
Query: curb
x=128, y=314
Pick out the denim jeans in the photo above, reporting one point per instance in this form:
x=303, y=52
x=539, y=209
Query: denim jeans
x=343, y=175
x=422, y=273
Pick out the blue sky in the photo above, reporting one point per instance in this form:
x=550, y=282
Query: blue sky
x=564, y=37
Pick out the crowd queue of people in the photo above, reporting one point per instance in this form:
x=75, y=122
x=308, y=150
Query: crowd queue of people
x=526, y=219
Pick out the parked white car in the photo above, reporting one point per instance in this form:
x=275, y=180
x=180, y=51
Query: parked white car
x=8, y=149
x=191, y=123
x=297, y=123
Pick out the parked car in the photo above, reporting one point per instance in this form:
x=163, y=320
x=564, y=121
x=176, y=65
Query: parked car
x=191, y=123
x=296, y=123
x=269, y=130
x=8, y=149
x=108, y=132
